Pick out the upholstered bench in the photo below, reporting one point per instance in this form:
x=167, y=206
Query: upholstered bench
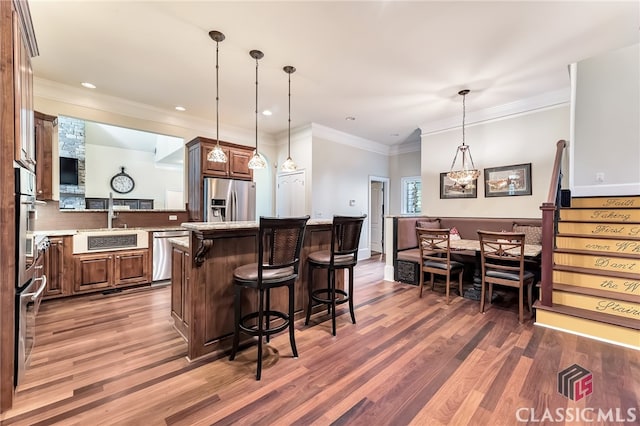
x=406, y=254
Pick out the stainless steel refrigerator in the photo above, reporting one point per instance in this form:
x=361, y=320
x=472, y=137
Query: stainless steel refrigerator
x=228, y=200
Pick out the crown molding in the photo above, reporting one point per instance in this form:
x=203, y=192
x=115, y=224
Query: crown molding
x=62, y=93
x=544, y=101
x=337, y=136
x=405, y=148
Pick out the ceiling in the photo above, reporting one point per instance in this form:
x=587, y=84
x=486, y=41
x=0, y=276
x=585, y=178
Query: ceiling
x=394, y=66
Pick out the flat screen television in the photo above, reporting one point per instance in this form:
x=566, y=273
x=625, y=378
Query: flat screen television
x=68, y=171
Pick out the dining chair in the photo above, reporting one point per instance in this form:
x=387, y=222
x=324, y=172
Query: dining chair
x=435, y=255
x=503, y=263
x=279, y=246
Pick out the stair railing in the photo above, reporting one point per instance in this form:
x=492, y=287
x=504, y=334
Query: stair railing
x=550, y=214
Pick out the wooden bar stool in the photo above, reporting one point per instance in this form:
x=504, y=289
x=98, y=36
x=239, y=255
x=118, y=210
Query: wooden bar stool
x=345, y=238
x=279, y=245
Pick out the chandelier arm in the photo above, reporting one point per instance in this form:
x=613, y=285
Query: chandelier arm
x=454, y=160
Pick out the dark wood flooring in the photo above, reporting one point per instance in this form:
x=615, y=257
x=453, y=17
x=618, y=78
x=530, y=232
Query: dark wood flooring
x=116, y=360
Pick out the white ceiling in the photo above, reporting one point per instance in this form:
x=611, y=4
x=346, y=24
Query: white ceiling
x=394, y=66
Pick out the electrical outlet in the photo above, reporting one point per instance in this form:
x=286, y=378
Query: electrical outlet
x=600, y=177
x=173, y=217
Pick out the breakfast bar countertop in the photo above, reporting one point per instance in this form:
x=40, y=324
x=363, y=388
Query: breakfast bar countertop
x=210, y=226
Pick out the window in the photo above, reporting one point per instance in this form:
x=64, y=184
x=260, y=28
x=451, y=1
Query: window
x=411, y=195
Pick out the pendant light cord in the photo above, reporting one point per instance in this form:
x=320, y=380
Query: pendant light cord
x=217, y=101
x=256, y=105
x=464, y=114
x=289, y=138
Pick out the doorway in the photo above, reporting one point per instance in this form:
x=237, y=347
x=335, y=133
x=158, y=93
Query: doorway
x=378, y=202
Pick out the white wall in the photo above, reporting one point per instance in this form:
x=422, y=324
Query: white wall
x=401, y=165
x=524, y=138
x=607, y=124
x=103, y=162
x=57, y=99
x=340, y=174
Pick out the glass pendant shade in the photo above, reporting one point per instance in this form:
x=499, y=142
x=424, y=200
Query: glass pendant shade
x=289, y=165
x=217, y=155
x=257, y=161
x=466, y=173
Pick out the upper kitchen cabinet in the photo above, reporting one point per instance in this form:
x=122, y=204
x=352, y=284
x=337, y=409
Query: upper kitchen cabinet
x=45, y=129
x=237, y=166
x=24, y=48
x=199, y=167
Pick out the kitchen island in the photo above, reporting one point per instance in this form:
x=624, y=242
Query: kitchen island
x=202, y=280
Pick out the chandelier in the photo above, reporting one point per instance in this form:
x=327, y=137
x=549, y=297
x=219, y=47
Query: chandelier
x=217, y=155
x=465, y=175
x=289, y=165
x=257, y=161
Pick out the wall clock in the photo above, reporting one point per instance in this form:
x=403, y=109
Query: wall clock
x=122, y=183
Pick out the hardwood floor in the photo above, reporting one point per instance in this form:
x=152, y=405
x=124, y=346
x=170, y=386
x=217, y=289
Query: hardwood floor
x=116, y=360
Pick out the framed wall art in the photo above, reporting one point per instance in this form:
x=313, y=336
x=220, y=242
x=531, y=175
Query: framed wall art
x=449, y=189
x=507, y=181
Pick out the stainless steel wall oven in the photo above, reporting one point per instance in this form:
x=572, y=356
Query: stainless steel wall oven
x=30, y=278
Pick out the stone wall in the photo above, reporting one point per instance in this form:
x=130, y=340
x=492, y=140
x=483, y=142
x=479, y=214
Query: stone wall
x=71, y=144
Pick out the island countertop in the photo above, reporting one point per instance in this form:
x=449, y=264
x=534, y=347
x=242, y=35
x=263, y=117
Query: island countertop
x=211, y=226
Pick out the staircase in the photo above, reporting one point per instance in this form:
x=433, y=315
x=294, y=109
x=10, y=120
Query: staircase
x=596, y=271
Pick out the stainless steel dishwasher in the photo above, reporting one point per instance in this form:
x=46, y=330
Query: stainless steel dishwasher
x=162, y=253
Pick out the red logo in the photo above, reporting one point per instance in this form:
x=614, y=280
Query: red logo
x=575, y=382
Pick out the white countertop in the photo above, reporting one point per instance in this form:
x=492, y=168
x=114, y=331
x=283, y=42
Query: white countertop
x=63, y=232
x=210, y=226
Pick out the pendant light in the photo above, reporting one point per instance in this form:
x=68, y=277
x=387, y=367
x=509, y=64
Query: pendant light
x=289, y=165
x=465, y=175
x=217, y=155
x=257, y=161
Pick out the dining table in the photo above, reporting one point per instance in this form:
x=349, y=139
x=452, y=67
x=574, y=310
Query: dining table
x=531, y=252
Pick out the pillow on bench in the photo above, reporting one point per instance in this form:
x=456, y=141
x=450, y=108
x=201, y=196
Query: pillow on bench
x=532, y=234
x=428, y=223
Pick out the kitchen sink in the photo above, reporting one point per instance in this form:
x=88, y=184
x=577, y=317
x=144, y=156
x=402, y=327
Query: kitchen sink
x=93, y=241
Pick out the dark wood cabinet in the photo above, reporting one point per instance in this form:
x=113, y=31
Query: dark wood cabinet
x=23, y=96
x=131, y=267
x=199, y=167
x=58, y=267
x=180, y=272
x=93, y=272
x=45, y=128
x=110, y=269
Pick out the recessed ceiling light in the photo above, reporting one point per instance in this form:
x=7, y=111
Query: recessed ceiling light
x=89, y=85
x=267, y=112
x=180, y=108
x=350, y=118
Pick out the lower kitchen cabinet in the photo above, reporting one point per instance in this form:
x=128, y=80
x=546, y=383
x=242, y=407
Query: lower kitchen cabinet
x=180, y=271
x=106, y=270
x=58, y=267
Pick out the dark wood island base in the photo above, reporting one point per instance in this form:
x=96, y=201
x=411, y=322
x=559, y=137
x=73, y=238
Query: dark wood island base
x=202, y=280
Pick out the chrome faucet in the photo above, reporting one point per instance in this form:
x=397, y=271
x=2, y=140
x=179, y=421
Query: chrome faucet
x=110, y=214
